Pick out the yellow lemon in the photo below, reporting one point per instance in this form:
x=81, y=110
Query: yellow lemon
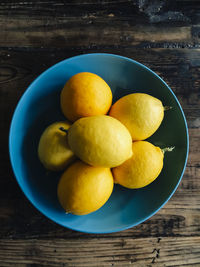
x=83, y=189
x=141, y=113
x=85, y=94
x=53, y=149
x=100, y=141
x=142, y=168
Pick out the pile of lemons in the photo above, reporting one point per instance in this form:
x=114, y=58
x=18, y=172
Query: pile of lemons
x=97, y=150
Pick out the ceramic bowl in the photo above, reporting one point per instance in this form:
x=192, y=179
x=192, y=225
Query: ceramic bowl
x=40, y=106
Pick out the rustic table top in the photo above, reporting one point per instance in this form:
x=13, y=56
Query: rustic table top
x=165, y=36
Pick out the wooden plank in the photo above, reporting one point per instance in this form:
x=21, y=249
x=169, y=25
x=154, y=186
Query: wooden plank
x=143, y=11
x=179, y=217
x=61, y=33
x=179, y=68
x=95, y=23
x=167, y=251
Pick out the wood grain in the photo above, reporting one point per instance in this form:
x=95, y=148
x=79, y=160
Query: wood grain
x=109, y=252
x=163, y=35
x=62, y=33
x=96, y=23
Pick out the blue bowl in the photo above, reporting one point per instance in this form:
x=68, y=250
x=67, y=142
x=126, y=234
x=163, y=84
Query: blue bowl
x=39, y=107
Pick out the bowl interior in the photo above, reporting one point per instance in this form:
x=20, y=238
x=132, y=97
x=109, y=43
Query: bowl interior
x=40, y=106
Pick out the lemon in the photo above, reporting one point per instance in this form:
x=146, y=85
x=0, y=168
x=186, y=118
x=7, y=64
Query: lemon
x=83, y=189
x=100, y=141
x=85, y=94
x=53, y=149
x=141, y=113
x=142, y=168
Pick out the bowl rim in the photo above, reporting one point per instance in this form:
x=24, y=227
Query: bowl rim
x=35, y=203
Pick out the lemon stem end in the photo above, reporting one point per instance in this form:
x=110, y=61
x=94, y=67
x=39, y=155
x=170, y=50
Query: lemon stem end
x=167, y=108
x=168, y=149
x=62, y=129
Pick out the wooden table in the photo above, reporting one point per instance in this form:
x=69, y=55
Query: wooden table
x=165, y=36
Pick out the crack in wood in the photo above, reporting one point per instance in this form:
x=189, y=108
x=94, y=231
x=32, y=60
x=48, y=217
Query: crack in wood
x=157, y=255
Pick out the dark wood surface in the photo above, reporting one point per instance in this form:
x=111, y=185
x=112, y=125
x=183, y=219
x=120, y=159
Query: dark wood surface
x=165, y=36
